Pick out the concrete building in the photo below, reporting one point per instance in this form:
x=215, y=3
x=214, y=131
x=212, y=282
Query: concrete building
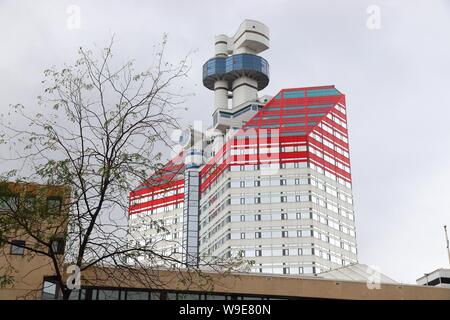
x=270, y=180
x=115, y=284
x=437, y=278
x=23, y=269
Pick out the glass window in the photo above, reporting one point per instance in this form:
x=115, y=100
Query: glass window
x=171, y=296
x=57, y=246
x=188, y=296
x=17, y=247
x=8, y=203
x=294, y=94
x=155, y=296
x=30, y=203
x=215, y=297
x=54, y=205
x=136, y=295
x=75, y=295
x=49, y=290
x=108, y=294
x=323, y=92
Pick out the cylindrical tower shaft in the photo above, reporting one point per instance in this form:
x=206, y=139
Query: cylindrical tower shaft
x=221, y=45
x=244, y=89
x=220, y=94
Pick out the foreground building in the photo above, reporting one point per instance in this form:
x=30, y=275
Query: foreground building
x=350, y=283
x=270, y=181
x=437, y=278
x=22, y=270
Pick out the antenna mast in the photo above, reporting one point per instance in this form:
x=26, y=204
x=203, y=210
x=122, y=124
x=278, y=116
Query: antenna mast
x=446, y=238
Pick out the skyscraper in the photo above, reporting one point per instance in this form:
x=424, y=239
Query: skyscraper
x=270, y=180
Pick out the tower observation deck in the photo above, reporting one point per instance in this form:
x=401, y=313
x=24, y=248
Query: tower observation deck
x=237, y=72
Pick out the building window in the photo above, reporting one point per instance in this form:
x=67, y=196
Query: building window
x=242, y=235
x=57, y=246
x=257, y=217
x=285, y=252
x=30, y=203
x=242, y=184
x=284, y=216
x=17, y=247
x=242, y=200
x=257, y=183
x=300, y=270
x=284, y=234
x=8, y=203
x=257, y=200
x=242, y=218
x=54, y=205
x=257, y=235
x=283, y=199
x=286, y=270
x=258, y=253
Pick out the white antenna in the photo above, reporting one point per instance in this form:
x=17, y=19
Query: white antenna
x=446, y=238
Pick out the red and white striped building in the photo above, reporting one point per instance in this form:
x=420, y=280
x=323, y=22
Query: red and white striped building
x=273, y=182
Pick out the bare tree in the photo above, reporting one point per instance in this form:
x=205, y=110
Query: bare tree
x=96, y=131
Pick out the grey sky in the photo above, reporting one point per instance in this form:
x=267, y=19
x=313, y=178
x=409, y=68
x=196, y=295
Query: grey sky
x=396, y=80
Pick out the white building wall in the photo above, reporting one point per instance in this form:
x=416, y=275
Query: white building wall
x=292, y=234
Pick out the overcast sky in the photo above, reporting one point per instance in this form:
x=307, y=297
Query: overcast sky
x=396, y=80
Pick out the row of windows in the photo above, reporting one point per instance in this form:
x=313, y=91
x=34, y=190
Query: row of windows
x=269, y=198
x=156, y=195
x=321, y=201
x=271, y=234
x=239, y=113
x=340, y=108
x=277, y=216
x=330, y=145
x=49, y=292
x=330, y=175
x=268, y=182
x=274, y=233
x=308, y=93
x=333, y=132
x=167, y=207
x=277, y=251
x=17, y=247
x=287, y=270
x=337, y=120
x=29, y=203
x=329, y=159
